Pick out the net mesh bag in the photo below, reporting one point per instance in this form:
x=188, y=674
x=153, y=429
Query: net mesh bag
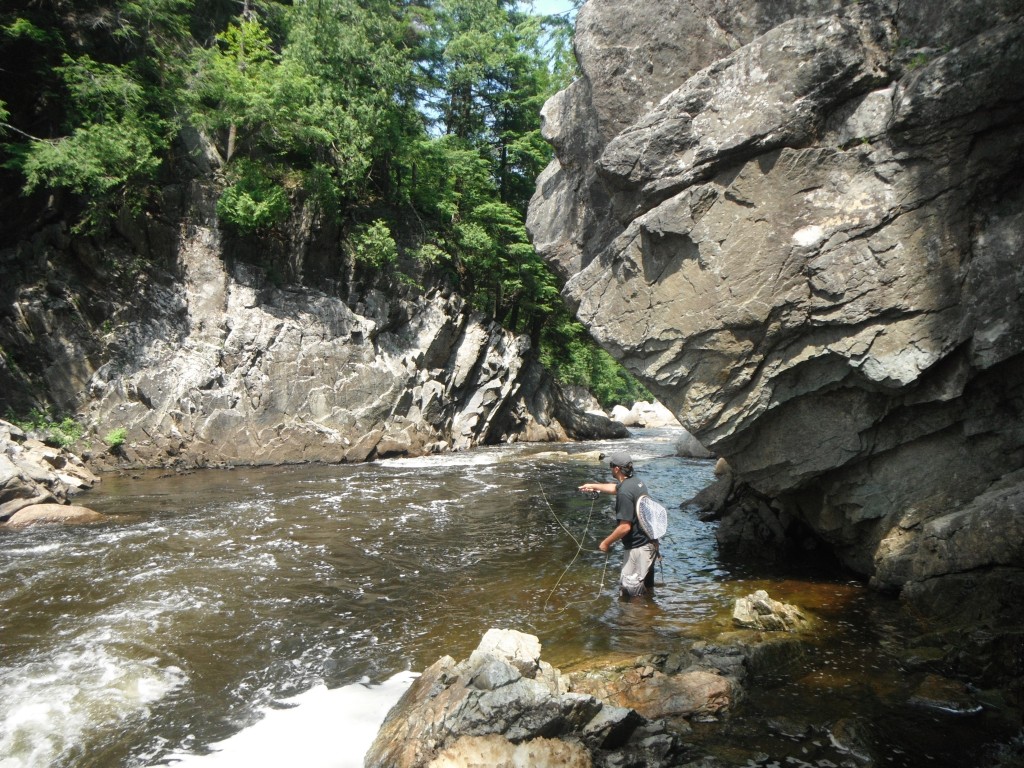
x=652, y=516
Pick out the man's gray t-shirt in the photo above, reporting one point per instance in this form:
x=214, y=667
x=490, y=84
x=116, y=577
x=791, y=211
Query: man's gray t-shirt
x=629, y=491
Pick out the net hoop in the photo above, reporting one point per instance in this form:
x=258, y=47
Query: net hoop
x=652, y=516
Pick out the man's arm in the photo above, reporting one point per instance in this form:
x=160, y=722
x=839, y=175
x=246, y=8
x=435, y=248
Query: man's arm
x=620, y=531
x=600, y=487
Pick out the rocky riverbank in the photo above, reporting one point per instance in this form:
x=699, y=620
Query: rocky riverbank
x=38, y=481
x=198, y=355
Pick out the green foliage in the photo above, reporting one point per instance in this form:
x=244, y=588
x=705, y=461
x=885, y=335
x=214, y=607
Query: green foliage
x=115, y=438
x=430, y=255
x=59, y=431
x=119, y=98
x=373, y=245
x=232, y=86
x=253, y=201
x=92, y=161
x=24, y=28
x=114, y=141
x=158, y=29
x=576, y=359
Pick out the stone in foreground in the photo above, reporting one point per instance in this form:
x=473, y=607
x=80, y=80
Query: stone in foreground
x=504, y=706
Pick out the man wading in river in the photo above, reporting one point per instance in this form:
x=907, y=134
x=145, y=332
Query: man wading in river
x=637, y=577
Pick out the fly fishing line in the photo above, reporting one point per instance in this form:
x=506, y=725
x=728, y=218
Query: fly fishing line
x=579, y=542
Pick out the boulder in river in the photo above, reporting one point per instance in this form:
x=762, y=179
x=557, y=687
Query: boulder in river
x=506, y=703
x=759, y=611
x=52, y=513
x=644, y=414
x=505, y=706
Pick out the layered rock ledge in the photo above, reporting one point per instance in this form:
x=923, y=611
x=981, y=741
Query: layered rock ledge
x=708, y=703
x=801, y=225
x=38, y=482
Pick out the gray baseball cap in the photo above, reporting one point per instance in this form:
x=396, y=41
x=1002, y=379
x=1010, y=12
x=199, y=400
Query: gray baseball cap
x=619, y=459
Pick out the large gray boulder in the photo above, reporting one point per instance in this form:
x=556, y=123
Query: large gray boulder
x=801, y=225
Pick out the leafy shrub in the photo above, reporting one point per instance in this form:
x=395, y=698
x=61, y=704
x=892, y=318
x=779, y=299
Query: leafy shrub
x=373, y=245
x=115, y=438
x=62, y=433
x=254, y=201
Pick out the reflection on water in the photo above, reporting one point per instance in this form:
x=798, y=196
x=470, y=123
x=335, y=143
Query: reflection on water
x=214, y=597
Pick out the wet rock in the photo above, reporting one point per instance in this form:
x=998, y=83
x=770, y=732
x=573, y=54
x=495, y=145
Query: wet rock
x=504, y=704
x=639, y=712
x=498, y=752
x=797, y=730
x=946, y=695
x=759, y=611
x=742, y=654
x=711, y=501
x=699, y=693
x=922, y=657
x=39, y=514
x=853, y=738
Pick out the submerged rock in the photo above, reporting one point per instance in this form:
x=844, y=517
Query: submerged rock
x=946, y=695
x=759, y=611
x=700, y=693
x=852, y=737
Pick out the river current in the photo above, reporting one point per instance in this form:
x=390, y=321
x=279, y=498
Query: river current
x=254, y=616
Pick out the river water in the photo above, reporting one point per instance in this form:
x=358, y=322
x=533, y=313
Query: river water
x=249, y=617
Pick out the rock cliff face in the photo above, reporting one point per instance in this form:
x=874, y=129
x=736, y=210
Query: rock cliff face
x=801, y=224
x=208, y=362
x=239, y=371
